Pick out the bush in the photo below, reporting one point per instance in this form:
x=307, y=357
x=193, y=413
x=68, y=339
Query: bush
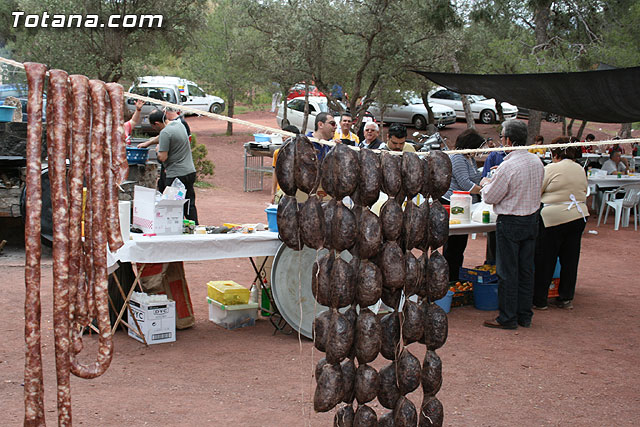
x=203, y=165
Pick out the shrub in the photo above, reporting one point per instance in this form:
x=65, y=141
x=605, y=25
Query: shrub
x=203, y=165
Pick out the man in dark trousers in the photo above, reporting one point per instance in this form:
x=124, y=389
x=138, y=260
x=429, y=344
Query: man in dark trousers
x=514, y=192
x=174, y=151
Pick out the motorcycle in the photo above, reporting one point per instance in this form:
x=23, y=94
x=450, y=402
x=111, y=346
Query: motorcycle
x=425, y=142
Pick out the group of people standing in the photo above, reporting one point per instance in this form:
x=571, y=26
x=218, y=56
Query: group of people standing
x=541, y=215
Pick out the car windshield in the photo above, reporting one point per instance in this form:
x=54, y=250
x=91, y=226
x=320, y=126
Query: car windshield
x=414, y=100
x=478, y=97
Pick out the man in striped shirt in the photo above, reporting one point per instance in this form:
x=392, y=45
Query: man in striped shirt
x=515, y=192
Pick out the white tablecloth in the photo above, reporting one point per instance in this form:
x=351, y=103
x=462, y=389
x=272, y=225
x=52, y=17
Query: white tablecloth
x=196, y=247
x=472, y=227
x=614, y=181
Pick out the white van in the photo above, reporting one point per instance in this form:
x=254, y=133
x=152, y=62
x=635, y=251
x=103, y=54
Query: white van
x=161, y=91
x=196, y=97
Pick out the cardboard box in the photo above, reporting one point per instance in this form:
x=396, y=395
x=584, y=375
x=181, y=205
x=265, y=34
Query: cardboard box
x=157, y=320
x=163, y=217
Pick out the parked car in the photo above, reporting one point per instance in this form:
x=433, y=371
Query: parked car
x=298, y=90
x=483, y=109
x=161, y=91
x=20, y=91
x=412, y=111
x=196, y=97
x=295, y=112
x=550, y=117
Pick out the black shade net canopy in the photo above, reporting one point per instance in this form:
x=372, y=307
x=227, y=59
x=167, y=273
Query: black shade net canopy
x=605, y=96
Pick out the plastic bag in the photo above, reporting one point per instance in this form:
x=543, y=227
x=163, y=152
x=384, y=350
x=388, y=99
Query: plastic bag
x=478, y=208
x=176, y=191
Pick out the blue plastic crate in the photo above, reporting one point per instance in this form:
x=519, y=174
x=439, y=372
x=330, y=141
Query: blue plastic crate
x=137, y=156
x=6, y=113
x=477, y=276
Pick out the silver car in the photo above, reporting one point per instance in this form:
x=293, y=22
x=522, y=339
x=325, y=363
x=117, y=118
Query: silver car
x=412, y=111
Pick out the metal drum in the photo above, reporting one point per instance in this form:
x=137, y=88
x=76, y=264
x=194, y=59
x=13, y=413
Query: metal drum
x=291, y=287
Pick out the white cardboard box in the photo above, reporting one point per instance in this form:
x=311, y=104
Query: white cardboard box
x=163, y=217
x=157, y=320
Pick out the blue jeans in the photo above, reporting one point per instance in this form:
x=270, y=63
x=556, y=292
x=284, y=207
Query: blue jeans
x=515, y=252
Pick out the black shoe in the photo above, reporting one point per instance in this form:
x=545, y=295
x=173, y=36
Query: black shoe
x=493, y=323
x=566, y=304
x=540, y=307
x=524, y=324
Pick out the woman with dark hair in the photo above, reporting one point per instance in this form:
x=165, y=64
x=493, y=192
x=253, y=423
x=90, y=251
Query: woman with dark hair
x=465, y=177
x=564, y=215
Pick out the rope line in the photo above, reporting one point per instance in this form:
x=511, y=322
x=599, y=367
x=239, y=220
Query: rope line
x=332, y=143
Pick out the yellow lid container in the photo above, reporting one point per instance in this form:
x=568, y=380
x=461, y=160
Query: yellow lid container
x=227, y=292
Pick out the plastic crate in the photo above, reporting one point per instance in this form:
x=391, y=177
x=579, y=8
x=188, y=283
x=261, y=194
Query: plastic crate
x=227, y=292
x=137, y=156
x=476, y=276
x=462, y=298
x=232, y=316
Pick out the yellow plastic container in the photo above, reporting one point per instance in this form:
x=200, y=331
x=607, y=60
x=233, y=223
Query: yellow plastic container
x=227, y=292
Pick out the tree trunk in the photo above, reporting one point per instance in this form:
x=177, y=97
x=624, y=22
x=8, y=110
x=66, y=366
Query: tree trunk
x=541, y=20
x=306, y=109
x=533, y=126
x=625, y=130
x=284, y=108
x=564, y=126
x=230, y=110
x=465, y=101
x=581, y=129
x=431, y=119
x=570, y=127
x=499, y=110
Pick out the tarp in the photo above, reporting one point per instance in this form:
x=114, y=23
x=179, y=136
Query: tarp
x=607, y=96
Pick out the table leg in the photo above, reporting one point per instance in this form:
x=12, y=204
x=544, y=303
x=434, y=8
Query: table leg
x=275, y=317
x=126, y=306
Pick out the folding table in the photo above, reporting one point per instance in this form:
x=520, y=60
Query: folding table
x=189, y=247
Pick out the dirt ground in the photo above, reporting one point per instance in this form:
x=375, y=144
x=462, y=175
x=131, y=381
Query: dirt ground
x=571, y=368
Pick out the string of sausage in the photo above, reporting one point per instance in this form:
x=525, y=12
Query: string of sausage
x=114, y=235
x=80, y=268
x=60, y=205
x=33, y=384
x=97, y=185
x=81, y=118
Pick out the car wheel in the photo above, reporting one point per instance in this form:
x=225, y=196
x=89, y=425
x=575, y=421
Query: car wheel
x=419, y=122
x=487, y=117
x=284, y=124
x=553, y=118
x=215, y=108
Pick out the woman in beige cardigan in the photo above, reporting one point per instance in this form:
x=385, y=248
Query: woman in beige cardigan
x=564, y=215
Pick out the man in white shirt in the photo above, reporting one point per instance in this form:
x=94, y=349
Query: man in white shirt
x=514, y=192
x=614, y=164
x=371, y=133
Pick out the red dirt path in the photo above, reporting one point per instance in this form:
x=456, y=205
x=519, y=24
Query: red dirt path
x=572, y=368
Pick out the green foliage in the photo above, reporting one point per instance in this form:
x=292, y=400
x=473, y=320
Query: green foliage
x=204, y=166
x=106, y=53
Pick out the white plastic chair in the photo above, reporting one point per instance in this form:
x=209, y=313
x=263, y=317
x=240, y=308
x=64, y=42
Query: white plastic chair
x=623, y=206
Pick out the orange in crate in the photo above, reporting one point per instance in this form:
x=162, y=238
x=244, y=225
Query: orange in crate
x=553, y=288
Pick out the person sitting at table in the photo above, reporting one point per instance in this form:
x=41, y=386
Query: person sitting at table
x=614, y=164
x=563, y=219
x=588, y=148
x=465, y=177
